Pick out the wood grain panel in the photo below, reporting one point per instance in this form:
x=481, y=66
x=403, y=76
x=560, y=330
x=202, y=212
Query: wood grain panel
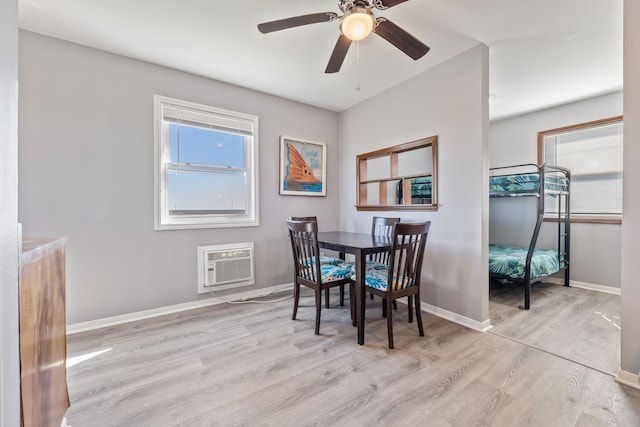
x=43, y=350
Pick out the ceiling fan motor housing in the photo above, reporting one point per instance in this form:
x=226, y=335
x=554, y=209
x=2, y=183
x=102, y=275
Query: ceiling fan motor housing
x=346, y=5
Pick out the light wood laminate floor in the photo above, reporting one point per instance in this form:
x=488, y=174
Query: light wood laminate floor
x=251, y=365
x=578, y=324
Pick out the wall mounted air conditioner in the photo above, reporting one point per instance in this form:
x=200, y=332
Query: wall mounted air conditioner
x=225, y=266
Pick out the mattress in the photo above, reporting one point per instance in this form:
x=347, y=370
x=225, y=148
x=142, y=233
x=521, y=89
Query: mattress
x=526, y=184
x=510, y=261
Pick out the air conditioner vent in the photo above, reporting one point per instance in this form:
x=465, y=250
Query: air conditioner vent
x=225, y=266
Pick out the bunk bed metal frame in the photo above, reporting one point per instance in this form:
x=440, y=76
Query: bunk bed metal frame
x=563, y=220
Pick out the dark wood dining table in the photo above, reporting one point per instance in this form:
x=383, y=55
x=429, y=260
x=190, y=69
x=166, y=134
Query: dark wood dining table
x=360, y=245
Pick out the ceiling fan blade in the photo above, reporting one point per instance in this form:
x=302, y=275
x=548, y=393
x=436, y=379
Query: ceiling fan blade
x=386, y=4
x=400, y=38
x=296, y=21
x=338, y=55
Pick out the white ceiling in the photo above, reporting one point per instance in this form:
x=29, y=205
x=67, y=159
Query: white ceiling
x=542, y=52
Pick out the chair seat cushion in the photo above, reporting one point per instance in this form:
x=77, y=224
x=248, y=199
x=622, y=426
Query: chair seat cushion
x=374, y=269
x=331, y=273
x=377, y=276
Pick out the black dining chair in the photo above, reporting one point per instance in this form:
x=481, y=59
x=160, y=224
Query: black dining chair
x=324, y=259
x=309, y=272
x=400, y=277
x=383, y=226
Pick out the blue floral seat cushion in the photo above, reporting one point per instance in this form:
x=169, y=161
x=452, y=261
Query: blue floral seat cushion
x=377, y=276
x=329, y=273
x=510, y=261
x=332, y=273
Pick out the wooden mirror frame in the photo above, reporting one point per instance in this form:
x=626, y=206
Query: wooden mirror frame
x=396, y=175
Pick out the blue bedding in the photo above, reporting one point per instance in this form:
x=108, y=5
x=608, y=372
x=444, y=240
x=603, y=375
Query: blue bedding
x=526, y=184
x=421, y=187
x=510, y=261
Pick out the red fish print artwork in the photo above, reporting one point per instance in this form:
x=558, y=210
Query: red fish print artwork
x=299, y=175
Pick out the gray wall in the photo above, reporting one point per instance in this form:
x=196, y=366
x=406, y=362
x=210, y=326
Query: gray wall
x=86, y=172
x=630, y=315
x=595, y=248
x=9, y=365
x=450, y=101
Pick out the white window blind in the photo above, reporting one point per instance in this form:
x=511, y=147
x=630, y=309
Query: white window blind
x=212, y=118
x=593, y=154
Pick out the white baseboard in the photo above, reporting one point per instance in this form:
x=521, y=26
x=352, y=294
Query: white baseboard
x=161, y=311
x=585, y=285
x=628, y=378
x=593, y=287
x=457, y=318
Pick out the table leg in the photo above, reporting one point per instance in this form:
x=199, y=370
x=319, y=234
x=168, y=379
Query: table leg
x=360, y=294
x=341, y=255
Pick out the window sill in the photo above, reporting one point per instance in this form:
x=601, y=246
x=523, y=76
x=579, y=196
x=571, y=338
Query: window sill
x=589, y=219
x=396, y=207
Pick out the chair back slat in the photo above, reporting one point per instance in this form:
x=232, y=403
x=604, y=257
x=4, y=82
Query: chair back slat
x=381, y=226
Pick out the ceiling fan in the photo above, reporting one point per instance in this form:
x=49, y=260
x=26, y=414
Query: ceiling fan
x=356, y=23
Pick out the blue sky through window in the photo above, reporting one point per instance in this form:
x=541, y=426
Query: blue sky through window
x=200, y=146
x=206, y=191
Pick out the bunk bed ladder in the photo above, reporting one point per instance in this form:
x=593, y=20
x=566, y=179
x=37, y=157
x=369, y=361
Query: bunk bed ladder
x=527, y=268
x=564, y=225
x=566, y=234
x=534, y=240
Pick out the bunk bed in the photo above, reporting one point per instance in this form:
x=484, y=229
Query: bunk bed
x=420, y=191
x=528, y=265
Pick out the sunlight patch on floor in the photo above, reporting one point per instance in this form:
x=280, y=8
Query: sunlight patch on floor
x=72, y=361
x=604, y=316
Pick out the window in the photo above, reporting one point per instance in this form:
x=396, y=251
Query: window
x=402, y=177
x=206, y=166
x=593, y=153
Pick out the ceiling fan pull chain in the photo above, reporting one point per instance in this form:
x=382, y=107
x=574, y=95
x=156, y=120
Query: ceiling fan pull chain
x=358, y=65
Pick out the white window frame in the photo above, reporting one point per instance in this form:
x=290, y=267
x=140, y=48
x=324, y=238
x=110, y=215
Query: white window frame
x=612, y=217
x=217, y=118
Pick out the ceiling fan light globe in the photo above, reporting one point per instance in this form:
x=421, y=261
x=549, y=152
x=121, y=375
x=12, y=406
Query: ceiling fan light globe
x=358, y=24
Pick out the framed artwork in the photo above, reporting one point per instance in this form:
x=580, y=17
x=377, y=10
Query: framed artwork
x=303, y=167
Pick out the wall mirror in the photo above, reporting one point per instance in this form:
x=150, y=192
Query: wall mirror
x=402, y=177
